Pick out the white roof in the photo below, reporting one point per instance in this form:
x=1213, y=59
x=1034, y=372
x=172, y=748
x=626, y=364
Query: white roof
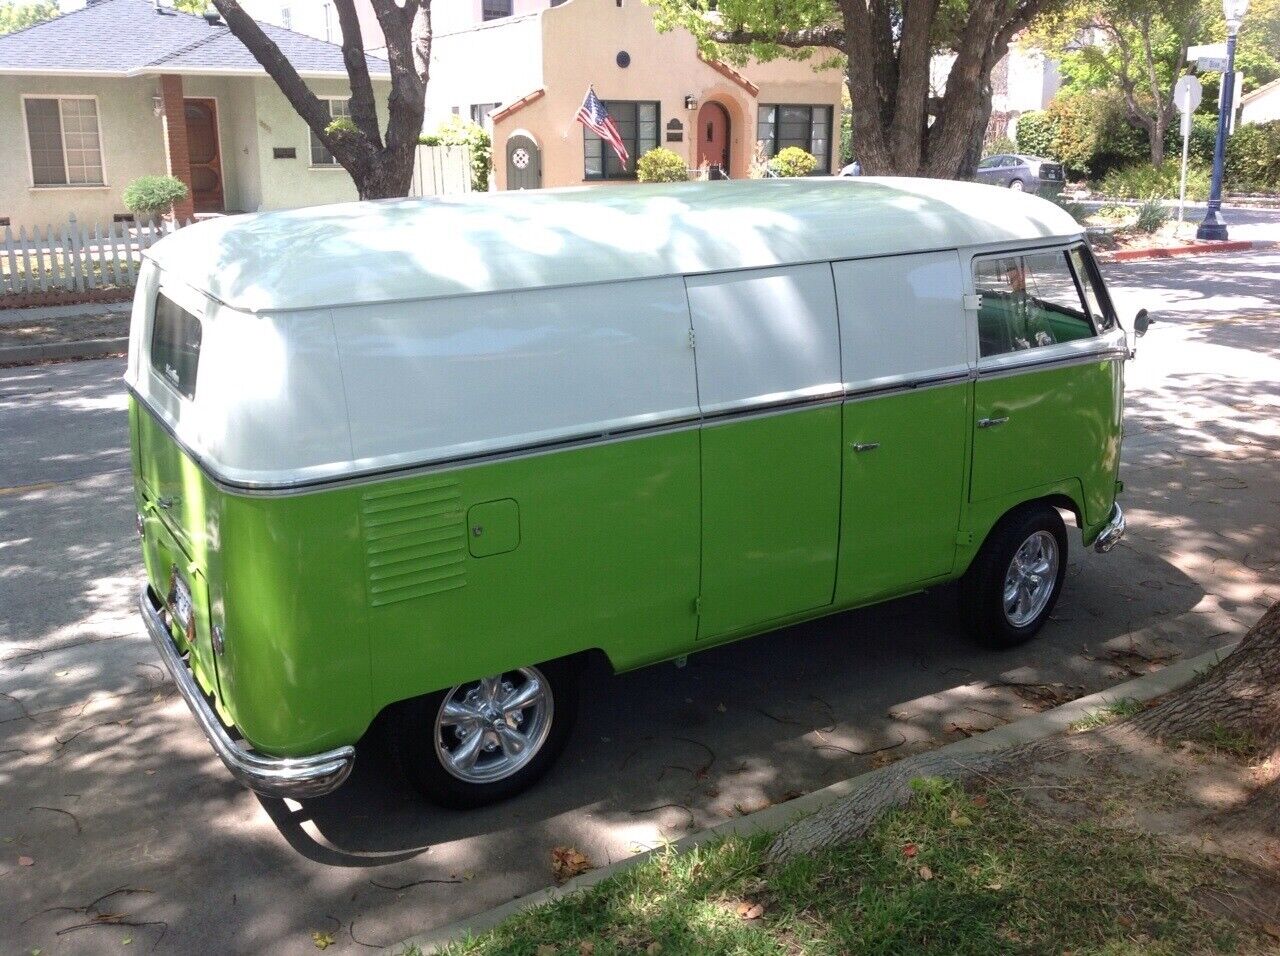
x=409, y=249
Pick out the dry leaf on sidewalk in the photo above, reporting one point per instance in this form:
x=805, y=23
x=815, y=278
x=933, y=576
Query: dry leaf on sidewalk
x=566, y=863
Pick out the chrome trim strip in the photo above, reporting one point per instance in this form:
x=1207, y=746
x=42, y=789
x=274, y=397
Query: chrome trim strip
x=1112, y=531
x=297, y=777
x=1059, y=361
x=840, y=395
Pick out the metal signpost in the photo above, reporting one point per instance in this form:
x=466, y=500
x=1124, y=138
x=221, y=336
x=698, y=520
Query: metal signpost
x=1186, y=97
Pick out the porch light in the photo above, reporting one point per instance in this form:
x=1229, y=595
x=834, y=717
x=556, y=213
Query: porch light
x=691, y=101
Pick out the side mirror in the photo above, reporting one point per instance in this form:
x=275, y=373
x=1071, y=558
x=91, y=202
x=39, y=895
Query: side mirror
x=1141, y=322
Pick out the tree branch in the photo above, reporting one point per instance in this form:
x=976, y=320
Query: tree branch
x=830, y=36
x=363, y=112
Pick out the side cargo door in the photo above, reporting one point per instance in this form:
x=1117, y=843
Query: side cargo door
x=906, y=371
x=768, y=368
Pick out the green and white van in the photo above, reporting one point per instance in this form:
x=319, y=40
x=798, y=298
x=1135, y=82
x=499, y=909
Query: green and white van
x=421, y=459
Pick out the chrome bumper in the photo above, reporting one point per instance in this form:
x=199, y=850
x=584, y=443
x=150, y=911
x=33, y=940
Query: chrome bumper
x=297, y=777
x=1111, y=532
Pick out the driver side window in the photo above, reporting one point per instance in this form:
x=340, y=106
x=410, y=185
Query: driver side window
x=1028, y=301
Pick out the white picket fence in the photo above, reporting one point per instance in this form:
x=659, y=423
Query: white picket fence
x=441, y=171
x=74, y=257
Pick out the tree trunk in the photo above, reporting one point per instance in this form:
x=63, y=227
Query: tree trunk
x=1240, y=695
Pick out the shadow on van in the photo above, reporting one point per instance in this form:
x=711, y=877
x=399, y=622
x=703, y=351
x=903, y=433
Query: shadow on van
x=663, y=751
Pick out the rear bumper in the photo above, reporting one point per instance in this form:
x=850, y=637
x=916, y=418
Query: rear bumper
x=296, y=777
x=1111, y=532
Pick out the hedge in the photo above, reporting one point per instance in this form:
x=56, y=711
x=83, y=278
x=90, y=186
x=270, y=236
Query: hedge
x=1253, y=157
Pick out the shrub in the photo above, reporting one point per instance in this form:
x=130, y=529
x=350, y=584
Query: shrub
x=1036, y=131
x=1144, y=181
x=793, y=161
x=1253, y=157
x=1152, y=214
x=999, y=144
x=456, y=131
x=1204, y=131
x=152, y=196
x=661, y=165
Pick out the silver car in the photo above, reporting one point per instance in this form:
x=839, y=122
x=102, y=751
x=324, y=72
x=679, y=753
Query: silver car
x=1018, y=171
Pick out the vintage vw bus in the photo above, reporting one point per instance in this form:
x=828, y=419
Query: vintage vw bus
x=421, y=458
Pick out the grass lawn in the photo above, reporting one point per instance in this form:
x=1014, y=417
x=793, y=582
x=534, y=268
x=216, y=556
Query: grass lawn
x=951, y=873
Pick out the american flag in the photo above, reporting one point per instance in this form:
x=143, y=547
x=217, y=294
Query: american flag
x=596, y=118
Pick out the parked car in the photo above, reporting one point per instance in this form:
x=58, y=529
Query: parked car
x=1018, y=171
x=403, y=460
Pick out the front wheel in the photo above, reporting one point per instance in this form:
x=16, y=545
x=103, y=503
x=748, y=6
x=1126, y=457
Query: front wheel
x=1014, y=582
x=486, y=740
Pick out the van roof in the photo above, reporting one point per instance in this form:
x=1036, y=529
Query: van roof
x=408, y=249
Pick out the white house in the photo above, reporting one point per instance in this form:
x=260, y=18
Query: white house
x=1261, y=105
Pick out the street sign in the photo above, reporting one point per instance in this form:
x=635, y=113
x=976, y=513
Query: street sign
x=1187, y=93
x=1212, y=64
x=1186, y=97
x=1206, y=49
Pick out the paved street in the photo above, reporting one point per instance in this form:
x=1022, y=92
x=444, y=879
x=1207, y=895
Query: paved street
x=108, y=785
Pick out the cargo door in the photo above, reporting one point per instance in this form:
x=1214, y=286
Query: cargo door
x=768, y=370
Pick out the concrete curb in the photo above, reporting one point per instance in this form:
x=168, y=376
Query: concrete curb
x=62, y=351
x=1168, y=252
x=1046, y=724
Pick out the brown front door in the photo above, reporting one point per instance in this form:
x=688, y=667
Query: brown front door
x=206, y=160
x=713, y=139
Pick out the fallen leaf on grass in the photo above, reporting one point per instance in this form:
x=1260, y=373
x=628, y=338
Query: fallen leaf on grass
x=26, y=861
x=979, y=801
x=926, y=874
x=566, y=863
x=748, y=910
x=959, y=819
x=322, y=940
x=910, y=850
x=653, y=949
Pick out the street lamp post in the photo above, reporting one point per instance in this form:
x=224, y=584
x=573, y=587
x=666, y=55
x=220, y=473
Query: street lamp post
x=1213, y=227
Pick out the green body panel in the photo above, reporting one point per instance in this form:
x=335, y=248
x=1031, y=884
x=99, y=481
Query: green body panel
x=337, y=602
x=1063, y=422
x=770, y=518
x=902, y=499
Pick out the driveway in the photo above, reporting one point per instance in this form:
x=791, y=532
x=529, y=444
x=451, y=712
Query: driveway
x=108, y=785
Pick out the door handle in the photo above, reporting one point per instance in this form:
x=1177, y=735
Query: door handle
x=865, y=445
x=992, y=422
x=167, y=502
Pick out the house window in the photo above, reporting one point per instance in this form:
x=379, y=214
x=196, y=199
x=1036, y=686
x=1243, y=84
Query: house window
x=62, y=137
x=480, y=113
x=319, y=155
x=637, y=124
x=808, y=127
x=495, y=9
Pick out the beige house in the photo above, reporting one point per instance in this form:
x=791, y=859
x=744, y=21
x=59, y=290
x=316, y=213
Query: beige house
x=523, y=67
x=94, y=99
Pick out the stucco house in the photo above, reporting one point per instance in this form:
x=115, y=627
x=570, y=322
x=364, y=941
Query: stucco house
x=1261, y=105
x=124, y=88
x=522, y=67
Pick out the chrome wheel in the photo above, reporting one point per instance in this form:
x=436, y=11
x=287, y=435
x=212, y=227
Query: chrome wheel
x=487, y=730
x=1016, y=185
x=1031, y=578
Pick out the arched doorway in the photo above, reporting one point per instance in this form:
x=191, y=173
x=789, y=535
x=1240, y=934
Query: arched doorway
x=524, y=163
x=713, y=139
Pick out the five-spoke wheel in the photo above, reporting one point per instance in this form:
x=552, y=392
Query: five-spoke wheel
x=487, y=739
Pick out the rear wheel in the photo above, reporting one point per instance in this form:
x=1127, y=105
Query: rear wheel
x=486, y=740
x=1013, y=584
x=1017, y=185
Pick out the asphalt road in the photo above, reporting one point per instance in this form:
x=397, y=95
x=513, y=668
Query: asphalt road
x=108, y=785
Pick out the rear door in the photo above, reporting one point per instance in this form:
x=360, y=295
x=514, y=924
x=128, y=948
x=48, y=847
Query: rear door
x=768, y=369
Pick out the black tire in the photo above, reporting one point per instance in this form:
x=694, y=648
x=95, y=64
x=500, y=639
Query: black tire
x=982, y=588
x=412, y=741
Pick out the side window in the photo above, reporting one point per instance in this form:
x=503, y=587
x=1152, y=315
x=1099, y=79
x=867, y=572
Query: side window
x=175, y=346
x=1028, y=301
x=1095, y=294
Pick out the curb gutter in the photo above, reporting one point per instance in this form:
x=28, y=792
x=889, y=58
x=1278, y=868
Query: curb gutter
x=1046, y=724
x=63, y=351
x=1166, y=252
